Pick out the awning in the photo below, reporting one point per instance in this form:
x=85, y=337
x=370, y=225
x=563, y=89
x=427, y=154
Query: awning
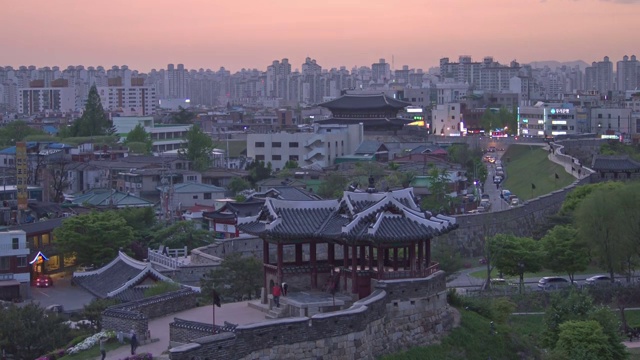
x=13, y=282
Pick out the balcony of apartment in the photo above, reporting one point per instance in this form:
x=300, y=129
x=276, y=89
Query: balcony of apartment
x=14, y=249
x=314, y=153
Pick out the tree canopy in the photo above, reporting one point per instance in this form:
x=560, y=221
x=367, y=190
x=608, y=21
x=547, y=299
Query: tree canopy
x=564, y=251
x=515, y=255
x=237, y=278
x=94, y=121
x=138, y=135
x=438, y=200
x=333, y=186
x=258, y=171
x=183, y=116
x=17, y=131
x=181, y=234
x=198, y=149
x=95, y=238
x=238, y=184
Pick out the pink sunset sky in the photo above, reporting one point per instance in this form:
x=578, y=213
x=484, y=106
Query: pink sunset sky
x=145, y=34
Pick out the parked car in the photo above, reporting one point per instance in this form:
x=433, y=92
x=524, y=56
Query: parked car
x=486, y=204
x=514, y=201
x=485, y=197
x=500, y=173
x=56, y=308
x=44, y=281
x=600, y=280
x=503, y=284
x=553, y=283
x=505, y=194
x=497, y=179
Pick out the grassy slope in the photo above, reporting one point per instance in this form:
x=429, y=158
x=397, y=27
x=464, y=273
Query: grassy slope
x=472, y=341
x=530, y=164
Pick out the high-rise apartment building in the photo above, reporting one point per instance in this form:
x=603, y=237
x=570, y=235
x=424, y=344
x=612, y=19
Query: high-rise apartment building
x=129, y=98
x=380, y=72
x=599, y=76
x=175, y=82
x=627, y=73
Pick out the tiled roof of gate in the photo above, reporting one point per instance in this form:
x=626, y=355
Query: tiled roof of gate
x=358, y=217
x=364, y=102
x=614, y=163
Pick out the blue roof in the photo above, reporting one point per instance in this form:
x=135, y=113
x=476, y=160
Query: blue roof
x=50, y=129
x=59, y=146
x=12, y=150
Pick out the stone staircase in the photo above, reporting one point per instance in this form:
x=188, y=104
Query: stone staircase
x=276, y=312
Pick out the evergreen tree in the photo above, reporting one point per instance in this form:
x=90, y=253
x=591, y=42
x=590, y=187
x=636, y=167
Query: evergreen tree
x=198, y=149
x=94, y=121
x=138, y=139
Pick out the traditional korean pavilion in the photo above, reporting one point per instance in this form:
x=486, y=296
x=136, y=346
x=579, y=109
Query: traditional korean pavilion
x=348, y=242
x=616, y=167
x=375, y=112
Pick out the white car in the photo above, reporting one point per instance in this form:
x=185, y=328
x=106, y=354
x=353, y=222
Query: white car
x=600, y=280
x=553, y=283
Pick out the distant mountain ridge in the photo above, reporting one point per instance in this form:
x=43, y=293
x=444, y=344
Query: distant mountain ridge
x=552, y=64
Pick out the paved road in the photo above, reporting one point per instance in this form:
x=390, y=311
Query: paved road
x=73, y=298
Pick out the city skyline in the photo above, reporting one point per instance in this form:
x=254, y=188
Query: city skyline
x=151, y=34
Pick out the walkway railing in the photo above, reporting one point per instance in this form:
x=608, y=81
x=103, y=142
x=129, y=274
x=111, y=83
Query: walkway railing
x=156, y=257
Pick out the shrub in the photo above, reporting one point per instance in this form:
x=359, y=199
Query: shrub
x=144, y=356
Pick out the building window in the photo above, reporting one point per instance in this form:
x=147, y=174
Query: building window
x=191, y=178
x=599, y=116
x=15, y=243
x=295, y=157
x=5, y=262
x=276, y=144
x=259, y=157
x=276, y=157
x=293, y=144
x=259, y=144
x=195, y=197
x=207, y=196
x=22, y=261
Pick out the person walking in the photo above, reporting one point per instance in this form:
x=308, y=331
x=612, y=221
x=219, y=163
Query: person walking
x=276, y=292
x=103, y=351
x=285, y=288
x=134, y=342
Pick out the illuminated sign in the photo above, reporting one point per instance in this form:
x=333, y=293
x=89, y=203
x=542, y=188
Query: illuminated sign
x=525, y=131
x=559, y=111
x=558, y=133
x=525, y=120
x=559, y=122
x=615, y=137
x=414, y=110
x=540, y=132
x=22, y=175
x=38, y=258
x=540, y=121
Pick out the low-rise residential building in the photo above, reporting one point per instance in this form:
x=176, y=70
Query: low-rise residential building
x=321, y=146
x=188, y=194
x=15, y=278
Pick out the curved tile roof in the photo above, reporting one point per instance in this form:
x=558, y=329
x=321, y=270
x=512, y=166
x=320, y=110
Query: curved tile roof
x=364, y=102
x=388, y=217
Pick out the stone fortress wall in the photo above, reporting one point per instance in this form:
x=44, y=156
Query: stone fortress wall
x=136, y=314
x=398, y=315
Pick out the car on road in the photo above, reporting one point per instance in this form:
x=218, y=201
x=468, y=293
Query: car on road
x=505, y=194
x=56, y=308
x=600, y=280
x=485, y=197
x=497, y=179
x=514, y=201
x=553, y=283
x=44, y=281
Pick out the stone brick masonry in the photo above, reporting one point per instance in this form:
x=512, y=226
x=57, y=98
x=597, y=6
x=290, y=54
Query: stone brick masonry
x=398, y=315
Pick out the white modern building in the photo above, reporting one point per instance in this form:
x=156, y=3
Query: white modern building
x=446, y=120
x=320, y=147
x=547, y=120
x=612, y=121
x=128, y=100
x=15, y=276
x=451, y=92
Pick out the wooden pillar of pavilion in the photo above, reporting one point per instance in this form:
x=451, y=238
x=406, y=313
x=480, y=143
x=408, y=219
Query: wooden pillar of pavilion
x=363, y=257
x=381, y=256
x=354, y=269
x=386, y=255
x=345, y=263
x=314, y=265
x=331, y=247
x=280, y=262
x=298, y=254
x=420, y=255
x=412, y=259
x=428, y=252
x=370, y=265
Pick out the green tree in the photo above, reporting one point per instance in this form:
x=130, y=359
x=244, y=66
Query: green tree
x=94, y=121
x=576, y=196
x=564, y=251
x=139, y=136
x=142, y=221
x=198, y=149
x=181, y=234
x=30, y=331
x=438, y=200
x=17, y=131
x=629, y=208
x=489, y=120
x=291, y=164
x=93, y=311
x=161, y=287
x=236, y=278
x=583, y=340
x=183, y=116
x=95, y=238
x=237, y=184
x=574, y=305
x=333, y=186
x=599, y=223
x=516, y=256
x=259, y=171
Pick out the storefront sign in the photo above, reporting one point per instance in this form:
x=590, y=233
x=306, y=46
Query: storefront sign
x=22, y=175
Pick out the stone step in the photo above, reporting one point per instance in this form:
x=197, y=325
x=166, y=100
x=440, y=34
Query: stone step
x=274, y=313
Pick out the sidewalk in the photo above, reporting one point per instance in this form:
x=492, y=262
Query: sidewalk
x=237, y=313
x=571, y=168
